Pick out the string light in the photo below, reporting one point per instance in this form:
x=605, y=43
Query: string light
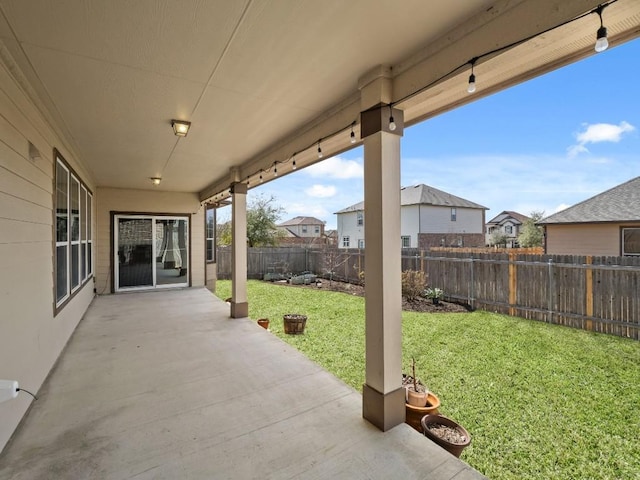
x=472, y=78
x=392, y=123
x=353, y=135
x=275, y=169
x=319, y=150
x=601, y=36
x=261, y=180
x=293, y=166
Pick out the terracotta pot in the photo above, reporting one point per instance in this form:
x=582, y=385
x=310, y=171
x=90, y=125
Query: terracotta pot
x=453, y=448
x=414, y=414
x=416, y=399
x=264, y=323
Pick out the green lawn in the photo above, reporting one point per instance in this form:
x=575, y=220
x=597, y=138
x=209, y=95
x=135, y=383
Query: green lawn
x=540, y=401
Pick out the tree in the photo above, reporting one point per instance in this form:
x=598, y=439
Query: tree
x=262, y=215
x=498, y=238
x=531, y=235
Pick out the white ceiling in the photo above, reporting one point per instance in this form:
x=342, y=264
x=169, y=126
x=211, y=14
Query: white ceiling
x=259, y=78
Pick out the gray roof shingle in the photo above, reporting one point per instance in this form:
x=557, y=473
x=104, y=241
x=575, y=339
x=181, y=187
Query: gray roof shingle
x=423, y=195
x=618, y=204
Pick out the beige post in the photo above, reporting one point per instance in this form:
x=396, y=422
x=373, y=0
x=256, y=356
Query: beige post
x=239, y=304
x=383, y=395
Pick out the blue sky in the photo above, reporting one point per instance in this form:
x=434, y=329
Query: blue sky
x=543, y=145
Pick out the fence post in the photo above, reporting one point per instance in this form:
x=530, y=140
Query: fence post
x=589, y=293
x=552, y=288
x=471, y=283
x=513, y=285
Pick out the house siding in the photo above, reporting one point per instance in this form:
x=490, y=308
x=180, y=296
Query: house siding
x=435, y=219
x=31, y=336
x=151, y=202
x=585, y=239
x=347, y=226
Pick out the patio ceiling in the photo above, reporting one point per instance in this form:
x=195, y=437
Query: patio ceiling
x=259, y=79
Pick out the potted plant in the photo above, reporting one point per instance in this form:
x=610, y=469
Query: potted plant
x=417, y=392
x=450, y=435
x=294, y=323
x=435, y=294
x=264, y=323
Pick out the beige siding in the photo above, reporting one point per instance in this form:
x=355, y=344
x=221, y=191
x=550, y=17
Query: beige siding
x=590, y=239
x=146, y=201
x=31, y=337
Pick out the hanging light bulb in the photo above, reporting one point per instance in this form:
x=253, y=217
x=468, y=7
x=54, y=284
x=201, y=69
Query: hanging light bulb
x=472, y=78
x=392, y=123
x=275, y=170
x=261, y=177
x=353, y=136
x=319, y=150
x=293, y=167
x=601, y=36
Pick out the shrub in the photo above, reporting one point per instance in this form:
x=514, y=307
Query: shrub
x=413, y=283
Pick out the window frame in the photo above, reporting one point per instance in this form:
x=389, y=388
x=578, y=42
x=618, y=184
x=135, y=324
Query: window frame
x=454, y=214
x=359, y=218
x=346, y=241
x=213, y=238
x=408, y=241
x=361, y=243
x=71, y=230
x=622, y=242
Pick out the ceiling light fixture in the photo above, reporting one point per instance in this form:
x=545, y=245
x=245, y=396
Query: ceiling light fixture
x=472, y=78
x=180, y=127
x=155, y=180
x=601, y=37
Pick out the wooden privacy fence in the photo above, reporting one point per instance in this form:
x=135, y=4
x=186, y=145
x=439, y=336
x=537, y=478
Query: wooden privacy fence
x=599, y=294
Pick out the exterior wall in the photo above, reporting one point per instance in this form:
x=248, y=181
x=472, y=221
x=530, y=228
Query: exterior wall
x=410, y=223
x=311, y=230
x=428, y=240
x=587, y=239
x=31, y=336
x=146, y=201
x=438, y=220
x=511, y=237
x=348, y=226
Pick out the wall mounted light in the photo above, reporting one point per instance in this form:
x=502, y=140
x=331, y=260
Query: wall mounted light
x=180, y=127
x=155, y=180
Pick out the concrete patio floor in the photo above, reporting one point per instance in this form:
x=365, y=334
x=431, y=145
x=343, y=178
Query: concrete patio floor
x=164, y=385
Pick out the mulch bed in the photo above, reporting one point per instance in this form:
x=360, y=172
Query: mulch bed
x=419, y=305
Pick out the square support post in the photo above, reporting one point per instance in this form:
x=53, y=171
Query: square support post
x=383, y=395
x=239, y=304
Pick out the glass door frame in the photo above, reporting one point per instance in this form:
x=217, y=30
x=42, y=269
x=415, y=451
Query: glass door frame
x=115, y=244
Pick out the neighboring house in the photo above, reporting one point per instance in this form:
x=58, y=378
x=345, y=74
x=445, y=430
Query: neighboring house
x=429, y=218
x=607, y=224
x=302, y=230
x=509, y=224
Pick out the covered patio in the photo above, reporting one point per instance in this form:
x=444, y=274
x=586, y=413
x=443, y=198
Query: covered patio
x=166, y=385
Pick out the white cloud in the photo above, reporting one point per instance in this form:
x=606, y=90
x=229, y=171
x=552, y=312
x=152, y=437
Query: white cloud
x=336, y=167
x=599, y=132
x=562, y=206
x=321, y=191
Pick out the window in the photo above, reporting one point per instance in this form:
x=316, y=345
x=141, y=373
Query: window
x=453, y=214
x=631, y=241
x=210, y=232
x=304, y=229
x=406, y=241
x=360, y=218
x=345, y=242
x=360, y=243
x=73, y=237
x=508, y=229
x=317, y=229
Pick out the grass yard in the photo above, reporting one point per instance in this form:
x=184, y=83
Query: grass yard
x=540, y=401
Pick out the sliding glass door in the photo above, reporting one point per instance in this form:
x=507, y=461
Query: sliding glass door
x=150, y=252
